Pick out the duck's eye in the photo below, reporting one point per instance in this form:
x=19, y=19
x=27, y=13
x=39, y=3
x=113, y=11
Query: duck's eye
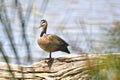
x=43, y=23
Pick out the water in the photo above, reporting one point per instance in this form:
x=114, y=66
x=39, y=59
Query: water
x=64, y=18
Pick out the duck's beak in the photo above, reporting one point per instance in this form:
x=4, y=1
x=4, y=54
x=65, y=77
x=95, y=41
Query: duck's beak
x=40, y=26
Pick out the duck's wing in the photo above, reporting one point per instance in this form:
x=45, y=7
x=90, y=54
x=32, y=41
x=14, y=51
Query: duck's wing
x=57, y=40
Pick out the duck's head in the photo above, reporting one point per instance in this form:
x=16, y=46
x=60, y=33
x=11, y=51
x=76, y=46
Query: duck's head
x=43, y=24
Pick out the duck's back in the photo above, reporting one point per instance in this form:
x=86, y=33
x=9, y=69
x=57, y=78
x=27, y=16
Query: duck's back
x=52, y=43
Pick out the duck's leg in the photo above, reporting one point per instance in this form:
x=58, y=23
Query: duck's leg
x=50, y=56
x=50, y=59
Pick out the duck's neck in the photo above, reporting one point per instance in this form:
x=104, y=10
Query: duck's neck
x=43, y=32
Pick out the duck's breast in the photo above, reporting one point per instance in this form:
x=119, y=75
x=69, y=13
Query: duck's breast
x=43, y=42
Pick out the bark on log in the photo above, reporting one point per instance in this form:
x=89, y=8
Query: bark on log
x=69, y=67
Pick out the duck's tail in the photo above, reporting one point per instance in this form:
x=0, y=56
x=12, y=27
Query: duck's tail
x=65, y=49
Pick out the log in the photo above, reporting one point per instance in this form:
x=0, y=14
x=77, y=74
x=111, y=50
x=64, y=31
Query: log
x=68, y=67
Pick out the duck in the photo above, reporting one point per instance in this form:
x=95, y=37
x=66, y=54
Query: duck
x=51, y=42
